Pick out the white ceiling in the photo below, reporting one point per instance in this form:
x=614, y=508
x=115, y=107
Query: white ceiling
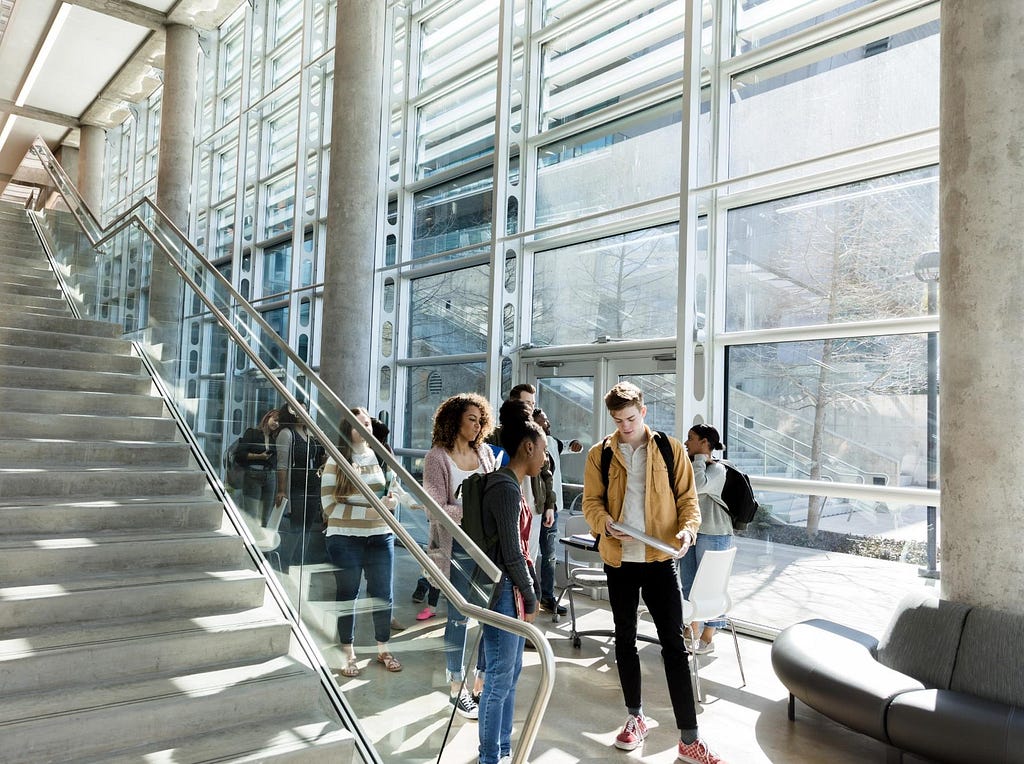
x=68, y=61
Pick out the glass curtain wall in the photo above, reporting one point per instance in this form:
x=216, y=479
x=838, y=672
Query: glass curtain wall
x=555, y=179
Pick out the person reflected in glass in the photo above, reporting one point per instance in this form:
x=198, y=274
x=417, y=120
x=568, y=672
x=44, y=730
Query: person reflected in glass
x=461, y=425
x=299, y=459
x=715, y=526
x=359, y=542
x=507, y=516
x=258, y=452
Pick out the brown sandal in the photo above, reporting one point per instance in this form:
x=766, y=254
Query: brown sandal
x=389, y=662
x=350, y=668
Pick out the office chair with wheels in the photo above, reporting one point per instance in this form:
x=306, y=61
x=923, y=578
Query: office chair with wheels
x=709, y=600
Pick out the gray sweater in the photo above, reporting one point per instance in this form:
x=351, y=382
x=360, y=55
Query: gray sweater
x=502, y=504
x=709, y=477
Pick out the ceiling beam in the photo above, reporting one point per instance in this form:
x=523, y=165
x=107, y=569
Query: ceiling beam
x=125, y=10
x=40, y=115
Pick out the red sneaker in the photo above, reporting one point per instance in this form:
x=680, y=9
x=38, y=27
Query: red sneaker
x=632, y=734
x=698, y=752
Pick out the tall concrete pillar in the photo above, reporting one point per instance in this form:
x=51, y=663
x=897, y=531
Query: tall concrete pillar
x=92, y=144
x=174, y=170
x=982, y=302
x=353, y=194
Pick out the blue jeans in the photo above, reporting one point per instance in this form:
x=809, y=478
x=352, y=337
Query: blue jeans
x=548, y=542
x=353, y=556
x=455, y=628
x=504, y=653
x=688, y=564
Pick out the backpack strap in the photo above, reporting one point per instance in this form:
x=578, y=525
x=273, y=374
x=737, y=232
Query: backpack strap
x=606, y=461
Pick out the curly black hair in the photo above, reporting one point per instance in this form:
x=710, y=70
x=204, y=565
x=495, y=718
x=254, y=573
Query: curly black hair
x=448, y=419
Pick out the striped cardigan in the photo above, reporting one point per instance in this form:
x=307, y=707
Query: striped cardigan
x=353, y=517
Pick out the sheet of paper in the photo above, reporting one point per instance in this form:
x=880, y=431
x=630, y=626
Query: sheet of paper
x=639, y=535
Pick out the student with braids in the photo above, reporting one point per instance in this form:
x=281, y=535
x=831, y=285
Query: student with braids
x=507, y=516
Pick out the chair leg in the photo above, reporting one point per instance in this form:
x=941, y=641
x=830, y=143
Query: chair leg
x=573, y=634
x=694, y=642
x=736, y=644
x=791, y=710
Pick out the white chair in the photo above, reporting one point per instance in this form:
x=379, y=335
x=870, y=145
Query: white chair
x=267, y=538
x=709, y=600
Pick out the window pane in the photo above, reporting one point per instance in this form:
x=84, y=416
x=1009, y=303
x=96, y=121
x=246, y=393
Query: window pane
x=849, y=410
x=842, y=254
x=224, y=236
x=456, y=214
x=627, y=48
x=428, y=387
x=280, y=206
x=759, y=22
x=282, y=138
x=456, y=128
x=569, y=404
x=800, y=108
x=645, y=148
x=458, y=39
x=620, y=287
x=277, y=268
x=271, y=352
x=449, y=313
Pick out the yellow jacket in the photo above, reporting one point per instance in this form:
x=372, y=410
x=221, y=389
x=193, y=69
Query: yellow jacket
x=666, y=512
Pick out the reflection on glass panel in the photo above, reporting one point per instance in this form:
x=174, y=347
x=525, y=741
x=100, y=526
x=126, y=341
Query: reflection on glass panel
x=850, y=410
x=794, y=110
x=628, y=48
x=453, y=215
x=659, y=397
x=458, y=39
x=645, y=148
x=271, y=353
x=759, y=22
x=569, y=404
x=224, y=235
x=619, y=287
x=449, y=313
x=280, y=206
x=428, y=387
x=870, y=553
x=277, y=268
x=842, y=254
x=457, y=127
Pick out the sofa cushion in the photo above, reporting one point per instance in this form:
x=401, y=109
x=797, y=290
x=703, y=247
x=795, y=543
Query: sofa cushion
x=922, y=639
x=832, y=669
x=950, y=726
x=990, y=663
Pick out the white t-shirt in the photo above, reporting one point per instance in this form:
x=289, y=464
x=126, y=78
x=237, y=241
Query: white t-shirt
x=633, y=503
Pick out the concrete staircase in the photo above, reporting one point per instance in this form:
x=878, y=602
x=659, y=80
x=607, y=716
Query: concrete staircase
x=133, y=623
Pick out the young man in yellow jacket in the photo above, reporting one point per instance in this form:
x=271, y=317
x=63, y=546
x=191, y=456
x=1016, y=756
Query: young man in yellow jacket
x=632, y=486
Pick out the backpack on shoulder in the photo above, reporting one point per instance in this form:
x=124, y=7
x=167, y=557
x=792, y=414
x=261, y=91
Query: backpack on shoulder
x=472, y=491
x=661, y=440
x=234, y=471
x=738, y=497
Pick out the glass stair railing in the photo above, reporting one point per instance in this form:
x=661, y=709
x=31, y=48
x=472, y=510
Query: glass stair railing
x=204, y=342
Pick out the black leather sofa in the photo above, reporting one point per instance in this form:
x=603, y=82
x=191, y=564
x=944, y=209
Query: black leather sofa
x=945, y=681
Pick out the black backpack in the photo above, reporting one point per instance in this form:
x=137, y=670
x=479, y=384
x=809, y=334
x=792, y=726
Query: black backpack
x=472, y=491
x=661, y=439
x=738, y=497
x=234, y=470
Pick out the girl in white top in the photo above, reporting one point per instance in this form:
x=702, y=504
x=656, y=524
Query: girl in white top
x=715, y=525
x=360, y=543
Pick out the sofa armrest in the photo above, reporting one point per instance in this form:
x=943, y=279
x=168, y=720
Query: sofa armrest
x=832, y=668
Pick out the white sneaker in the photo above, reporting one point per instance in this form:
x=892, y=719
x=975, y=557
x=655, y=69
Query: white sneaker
x=505, y=759
x=703, y=648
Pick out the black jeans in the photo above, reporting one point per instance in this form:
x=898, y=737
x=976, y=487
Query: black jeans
x=658, y=582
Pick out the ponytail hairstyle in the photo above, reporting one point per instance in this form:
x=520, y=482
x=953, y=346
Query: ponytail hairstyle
x=344, y=486
x=517, y=425
x=710, y=434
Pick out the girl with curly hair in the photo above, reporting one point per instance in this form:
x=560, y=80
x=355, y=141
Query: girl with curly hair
x=461, y=425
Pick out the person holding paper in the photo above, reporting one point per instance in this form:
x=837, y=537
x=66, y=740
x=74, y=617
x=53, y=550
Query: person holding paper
x=641, y=494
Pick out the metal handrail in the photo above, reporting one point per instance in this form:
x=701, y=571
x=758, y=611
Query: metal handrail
x=64, y=186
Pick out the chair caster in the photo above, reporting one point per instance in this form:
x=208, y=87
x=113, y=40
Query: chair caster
x=556, y=618
x=576, y=641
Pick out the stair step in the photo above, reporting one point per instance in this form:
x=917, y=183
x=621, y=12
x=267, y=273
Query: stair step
x=93, y=721
x=45, y=340
x=295, y=740
x=45, y=559
x=15, y=424
x=53, y=305
x=171, y=591
x=100, y=482
x=94, y=453
x=77, y=402
x=75, y=379
x=42, y=514
x=110, y=652
x=58, y=358
x=34, y=272
x=13, y=286
x=47, y=310
x=19, y=319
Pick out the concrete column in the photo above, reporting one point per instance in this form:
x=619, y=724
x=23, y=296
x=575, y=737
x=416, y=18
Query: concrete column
x=92, y=143
x=982, y=303
x=174, y=170
x=353, y=199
